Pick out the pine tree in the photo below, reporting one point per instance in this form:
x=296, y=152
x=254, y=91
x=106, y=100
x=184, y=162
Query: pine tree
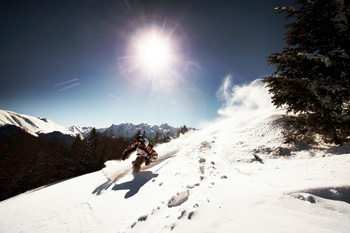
x=167, y=137
x=91, y=151
x=156, y=138
x=76, y=154
x=77, y=147
x=184, y=129
x=138, y=133
x=312, y=76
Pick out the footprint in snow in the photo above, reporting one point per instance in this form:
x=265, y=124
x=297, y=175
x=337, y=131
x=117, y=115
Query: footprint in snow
x=178, y=199
x=140, y=219
x=192, y=186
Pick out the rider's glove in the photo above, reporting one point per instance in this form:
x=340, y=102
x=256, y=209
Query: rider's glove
x=147, y=162
x=123, y=157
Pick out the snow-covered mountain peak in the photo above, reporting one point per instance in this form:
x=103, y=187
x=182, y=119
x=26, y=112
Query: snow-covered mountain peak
x=83, y=131
x=33, y=125
x=128, y=130
x=37, y=125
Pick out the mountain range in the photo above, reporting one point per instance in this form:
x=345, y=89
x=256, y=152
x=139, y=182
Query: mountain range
x=38, y=125
x=128, y=130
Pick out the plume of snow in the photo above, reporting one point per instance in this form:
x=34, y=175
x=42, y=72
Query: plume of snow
x=115, y=170
x=241, y=99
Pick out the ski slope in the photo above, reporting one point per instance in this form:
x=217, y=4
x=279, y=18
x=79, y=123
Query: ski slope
x=204, y=181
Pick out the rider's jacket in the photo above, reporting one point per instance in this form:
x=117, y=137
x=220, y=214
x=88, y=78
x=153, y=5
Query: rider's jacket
x=143, y=151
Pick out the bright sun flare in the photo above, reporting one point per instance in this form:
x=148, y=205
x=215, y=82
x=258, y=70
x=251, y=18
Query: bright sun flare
x=153, y=52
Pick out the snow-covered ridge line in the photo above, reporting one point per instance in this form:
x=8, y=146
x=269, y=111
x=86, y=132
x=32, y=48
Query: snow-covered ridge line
x=31, y=124
x=128, y=130
x=37, y=125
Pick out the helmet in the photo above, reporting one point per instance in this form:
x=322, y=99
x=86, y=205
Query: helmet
x=139, y=140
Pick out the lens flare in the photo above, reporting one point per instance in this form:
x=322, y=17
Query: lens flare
x=153, y=52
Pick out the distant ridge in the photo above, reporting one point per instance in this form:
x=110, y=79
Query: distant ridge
x=33, y=125
x=128, y=130
x=37, y=125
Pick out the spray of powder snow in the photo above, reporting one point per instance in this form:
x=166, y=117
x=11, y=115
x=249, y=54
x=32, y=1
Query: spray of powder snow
x=115, y=170
x=240, y=99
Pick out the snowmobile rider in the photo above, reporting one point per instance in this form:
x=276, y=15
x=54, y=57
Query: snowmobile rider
x=145, y=153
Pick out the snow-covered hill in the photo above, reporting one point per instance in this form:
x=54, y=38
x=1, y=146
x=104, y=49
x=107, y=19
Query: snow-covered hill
x=32, y=125
x=204, y=181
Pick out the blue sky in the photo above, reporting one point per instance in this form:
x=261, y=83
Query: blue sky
x=65, y=60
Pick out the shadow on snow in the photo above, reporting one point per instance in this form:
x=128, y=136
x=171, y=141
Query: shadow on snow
x=331, y=193
x=102, y=187
x=140, y=179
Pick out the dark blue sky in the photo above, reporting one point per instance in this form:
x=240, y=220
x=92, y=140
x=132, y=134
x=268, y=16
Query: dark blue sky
x=59, y=59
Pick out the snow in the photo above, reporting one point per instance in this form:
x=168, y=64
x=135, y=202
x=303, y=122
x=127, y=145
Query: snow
x=31, y=124
x=208, y=181
x=128, y=130
x=83, y=131
x=203, y=181
x=36, y=125
x=317, y=57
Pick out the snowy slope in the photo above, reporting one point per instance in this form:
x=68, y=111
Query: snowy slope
x=204, y=181
x=31, y=124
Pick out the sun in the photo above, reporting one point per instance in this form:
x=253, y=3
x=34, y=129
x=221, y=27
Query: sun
x=153, y=52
